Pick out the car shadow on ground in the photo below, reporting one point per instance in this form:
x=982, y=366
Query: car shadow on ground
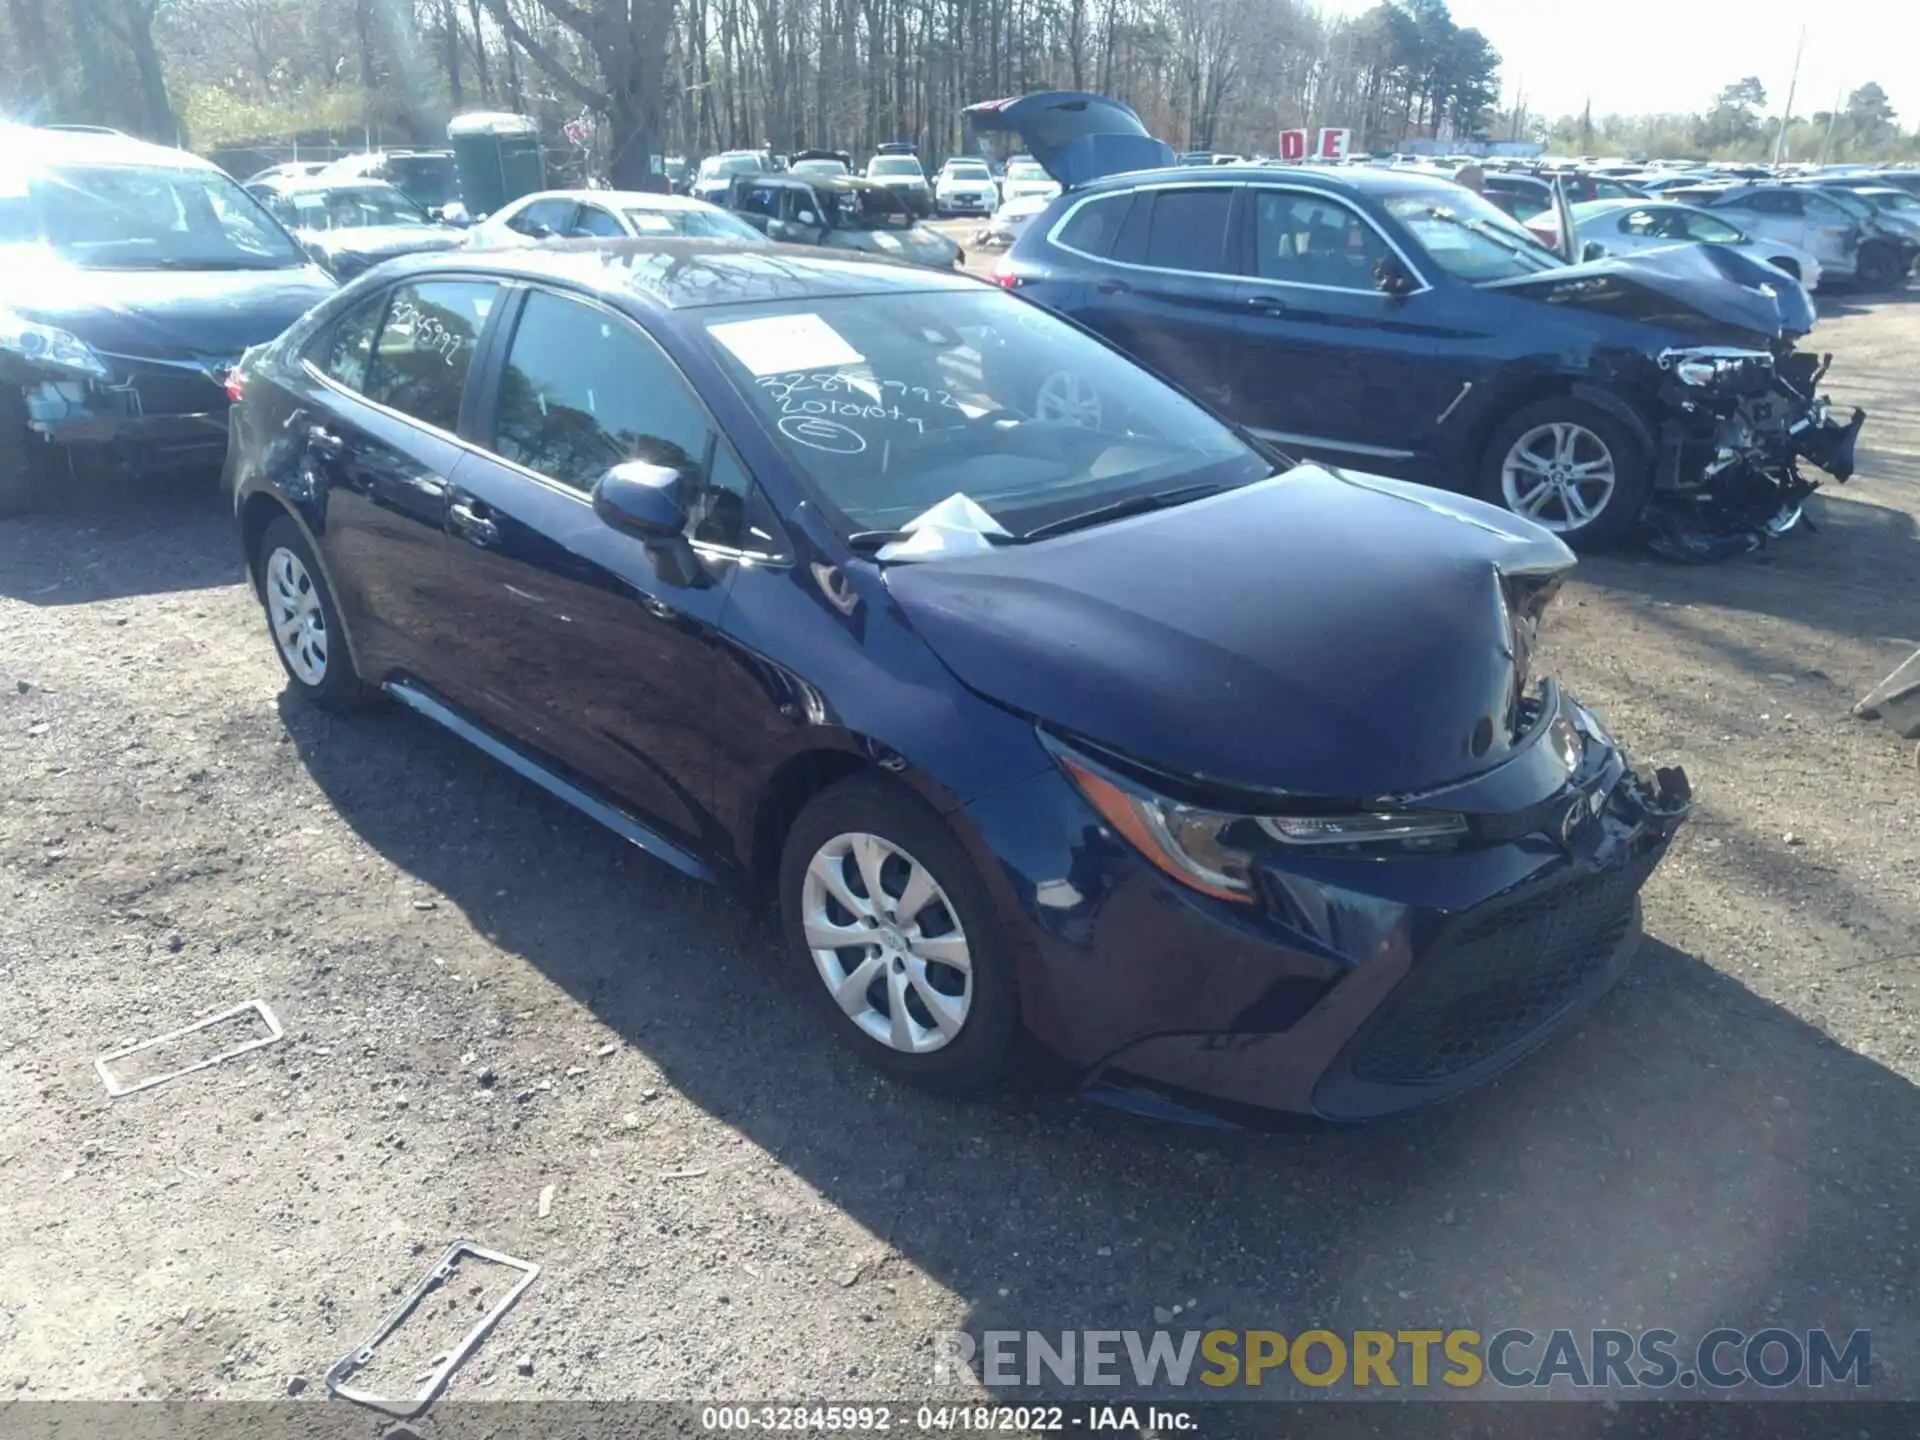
x=181, y=528
x=1833, y=304
x=1688, y=1156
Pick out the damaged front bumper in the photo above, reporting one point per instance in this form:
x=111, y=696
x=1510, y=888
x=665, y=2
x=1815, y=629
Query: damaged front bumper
x=152, y=416
x=1737, y=427
x=1363, y=986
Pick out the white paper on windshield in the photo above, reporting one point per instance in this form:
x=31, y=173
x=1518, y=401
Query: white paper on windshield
x=777, y=344
x=956, y=526
x=648, y=223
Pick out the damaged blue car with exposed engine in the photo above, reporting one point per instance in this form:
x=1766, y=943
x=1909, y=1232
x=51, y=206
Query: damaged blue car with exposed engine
x=1402, y=324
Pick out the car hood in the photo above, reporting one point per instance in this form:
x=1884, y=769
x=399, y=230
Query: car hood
x=1075, y=136
x=381, y=241
x=1701, y=291
x=918, y=246
x=162, y=313
x=1319, y=633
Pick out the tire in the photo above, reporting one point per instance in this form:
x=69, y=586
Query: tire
x=293, y=592
x=23, y=468
x=1879, y=267
x=1598, y=436
x=978, y=1052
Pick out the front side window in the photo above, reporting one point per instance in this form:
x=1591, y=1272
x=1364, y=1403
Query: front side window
x=595, y=222
x=1710, y=229
x=130, y=217
x=1653, y=224
x=860, y=207
x=584, y=391
x=889, y=404
x=353, y=207
x=543, y=218
x=762, y=200
x=425, y=349
x=1188, y=230
x=1463, y=235
x=1306, y=240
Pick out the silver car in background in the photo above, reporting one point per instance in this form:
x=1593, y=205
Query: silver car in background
x=1623, y=227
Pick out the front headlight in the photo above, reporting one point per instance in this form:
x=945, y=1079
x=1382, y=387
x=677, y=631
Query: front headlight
x=1213, y=851
x=49, y=345
x=1703, y=367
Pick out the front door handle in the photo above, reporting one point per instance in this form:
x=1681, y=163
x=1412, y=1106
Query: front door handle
x=468, y=518
x=324, y=440
x=1266, y=304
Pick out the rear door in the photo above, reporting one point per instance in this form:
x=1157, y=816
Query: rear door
x=1165, y=288
x=387, y=387
x=1331, y=362
x=576, y=646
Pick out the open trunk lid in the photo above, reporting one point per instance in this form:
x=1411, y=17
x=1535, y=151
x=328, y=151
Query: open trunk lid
x=1076, y=137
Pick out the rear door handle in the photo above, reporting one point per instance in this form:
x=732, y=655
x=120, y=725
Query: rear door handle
x=324, y=440
x=1267, y=304
x=470, y=518
x=1113, y=287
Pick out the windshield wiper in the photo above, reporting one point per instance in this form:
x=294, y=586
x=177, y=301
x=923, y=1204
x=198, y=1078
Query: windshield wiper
x=866, y=542
x=1120, y=509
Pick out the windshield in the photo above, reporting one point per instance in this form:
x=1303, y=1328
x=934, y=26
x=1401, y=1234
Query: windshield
x=891, y=403
x=861, y=208
x=347, y=208
x=126, y=217
x=1027, y=170
x=818, y=167
x=1469, y=238
x=715, y=166
x=1710, y=228
x=699, y=224
x=431, y=180
x=894, y=165
x=968, y=172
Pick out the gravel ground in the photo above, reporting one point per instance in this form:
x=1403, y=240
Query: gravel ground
x=503, y=1023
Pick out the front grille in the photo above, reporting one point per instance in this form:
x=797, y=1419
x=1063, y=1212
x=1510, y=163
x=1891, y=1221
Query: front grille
x=177, y=389
x=1496, y=978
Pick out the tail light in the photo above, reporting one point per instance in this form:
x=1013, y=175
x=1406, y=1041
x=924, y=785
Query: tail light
x=1006, y=279
x=236, y=385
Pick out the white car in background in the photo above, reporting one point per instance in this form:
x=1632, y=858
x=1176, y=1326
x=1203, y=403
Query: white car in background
x=1026, y=179
x=1009, y=220
x=965, y=186
x=607, y=214
x=902, y=175
x=1622, y=227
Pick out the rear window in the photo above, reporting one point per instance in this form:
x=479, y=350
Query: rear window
x=1188, y=230
x=1092, y=227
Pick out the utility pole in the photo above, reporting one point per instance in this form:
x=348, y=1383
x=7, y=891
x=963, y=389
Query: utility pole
x=1786, y=117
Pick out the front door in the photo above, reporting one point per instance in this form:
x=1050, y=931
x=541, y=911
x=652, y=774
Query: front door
x=1331, y=362
x=577, y=646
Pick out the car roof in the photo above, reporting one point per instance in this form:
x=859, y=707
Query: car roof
x=320, y=184
x=684, y=274
x=1366, y=180
x=41, y=146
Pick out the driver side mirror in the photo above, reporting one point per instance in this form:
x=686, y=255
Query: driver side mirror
x=649, y=502
x=1391, y=276
x=1592, y=250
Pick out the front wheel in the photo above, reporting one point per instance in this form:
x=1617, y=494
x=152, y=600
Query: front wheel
x=885, y=911
x=1569, y=467
x=1879, y=267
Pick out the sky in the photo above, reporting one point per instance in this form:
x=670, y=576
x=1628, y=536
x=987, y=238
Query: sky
x=1659, y=56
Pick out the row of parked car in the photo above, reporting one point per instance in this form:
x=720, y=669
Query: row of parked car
x=962, y=185
x=1026, y=663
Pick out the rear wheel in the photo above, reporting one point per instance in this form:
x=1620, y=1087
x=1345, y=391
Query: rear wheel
x=305, y=623
x=1879, y=266
x=887, y=913
x=1570, y=467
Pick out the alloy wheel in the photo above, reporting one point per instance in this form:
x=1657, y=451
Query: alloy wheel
x=295, y=613
x=1066, y=396
x=1561, y=476
x=887, y=943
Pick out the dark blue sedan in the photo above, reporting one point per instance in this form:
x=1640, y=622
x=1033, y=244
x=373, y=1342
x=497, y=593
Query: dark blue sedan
x=1032, y=692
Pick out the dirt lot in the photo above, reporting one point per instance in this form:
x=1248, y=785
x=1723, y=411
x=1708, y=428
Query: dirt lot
x=485, y=996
